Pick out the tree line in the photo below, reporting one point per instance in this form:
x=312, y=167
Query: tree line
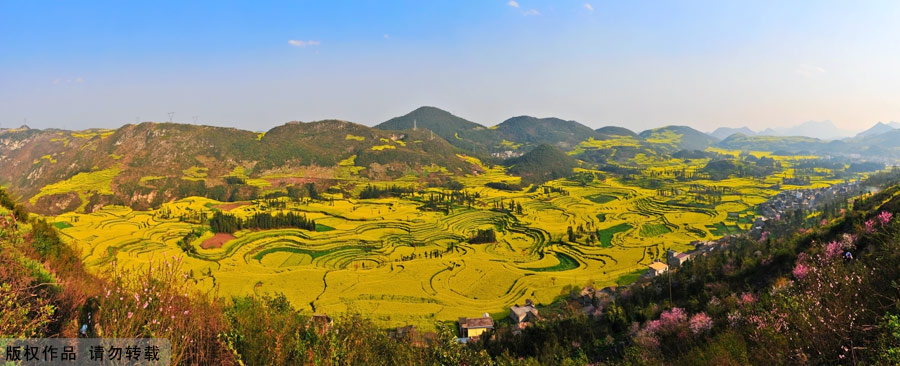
x=228, y=223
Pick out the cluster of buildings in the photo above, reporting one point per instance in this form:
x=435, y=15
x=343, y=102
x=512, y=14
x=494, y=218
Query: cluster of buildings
x=804, y=199
x=520, y=316
x=506, y=154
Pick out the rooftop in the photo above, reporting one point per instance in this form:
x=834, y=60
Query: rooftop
x=469, y=323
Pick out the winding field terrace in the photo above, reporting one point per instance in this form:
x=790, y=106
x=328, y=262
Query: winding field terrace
x=398, y=264
x=411, y=227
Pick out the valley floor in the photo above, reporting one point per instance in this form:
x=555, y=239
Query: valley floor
x=397, y=264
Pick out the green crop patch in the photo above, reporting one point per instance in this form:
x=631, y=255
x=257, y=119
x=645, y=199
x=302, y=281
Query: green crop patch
x=565, y=263
x=652, y=230
x=606, y=235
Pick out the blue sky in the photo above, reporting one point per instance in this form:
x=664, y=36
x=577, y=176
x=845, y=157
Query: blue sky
x=637, y=64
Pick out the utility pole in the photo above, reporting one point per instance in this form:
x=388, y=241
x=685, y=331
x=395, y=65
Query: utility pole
x=196, y=118
x=171, y=114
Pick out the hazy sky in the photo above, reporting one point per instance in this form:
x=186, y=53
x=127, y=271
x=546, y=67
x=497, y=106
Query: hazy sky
x=637, y=64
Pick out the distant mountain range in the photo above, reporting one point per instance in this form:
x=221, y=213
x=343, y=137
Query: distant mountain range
x=879, y=128
x=823, y=130
x=722, y=133
x=513, y=134
x=141, y=165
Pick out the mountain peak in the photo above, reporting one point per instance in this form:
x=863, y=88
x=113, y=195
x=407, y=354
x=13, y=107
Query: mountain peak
x=680, y=137
x=458, y=131
x=879, y=128
x=616, y=131
x=824, y=130
x=723, y=132
x=550, y=130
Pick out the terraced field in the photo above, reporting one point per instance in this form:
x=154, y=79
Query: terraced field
x=398, y=264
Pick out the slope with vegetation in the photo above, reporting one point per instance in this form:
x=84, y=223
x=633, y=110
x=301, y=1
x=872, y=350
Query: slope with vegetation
x=679, y=138
x=457, y=131
x=543, y=163
x=152, y=163
x=532, y=131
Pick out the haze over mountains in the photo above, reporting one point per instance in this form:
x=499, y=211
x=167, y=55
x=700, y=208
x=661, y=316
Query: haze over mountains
x=823, y=130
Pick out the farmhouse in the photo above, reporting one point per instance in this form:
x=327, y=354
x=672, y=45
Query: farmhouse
x=676, y=259
x=657, y=268
x=474, y=327
x=523, y=315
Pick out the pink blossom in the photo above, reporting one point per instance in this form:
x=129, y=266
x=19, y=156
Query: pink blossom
x=800, y=270
x=885, y=217
x=747, y=298
x=130, y=314
x=652, y=326
x=833, y=249
x=700, y=323
x=870, y=226
x=672, y=318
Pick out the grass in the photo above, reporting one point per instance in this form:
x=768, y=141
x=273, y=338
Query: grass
x=652, y=230
x=721, y=229
x=629, y=277
x=565, y=263
x=62, y=225
x=606, y=235
x=602, y=198
x=323, y=228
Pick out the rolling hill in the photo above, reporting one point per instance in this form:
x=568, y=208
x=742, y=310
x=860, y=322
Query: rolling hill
x=457, y=131
x=723, y=132
x=678, y=138
x=532, y=131
x=879, y=128
x=616, y=131
x=146, y=164
x=543, y=163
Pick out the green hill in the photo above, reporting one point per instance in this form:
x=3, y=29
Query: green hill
x=541, y=164
x=457, y=131
x=791, y=144
x=678, y=138
x=146, y=164
x=532, y=131
x=616, y=131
